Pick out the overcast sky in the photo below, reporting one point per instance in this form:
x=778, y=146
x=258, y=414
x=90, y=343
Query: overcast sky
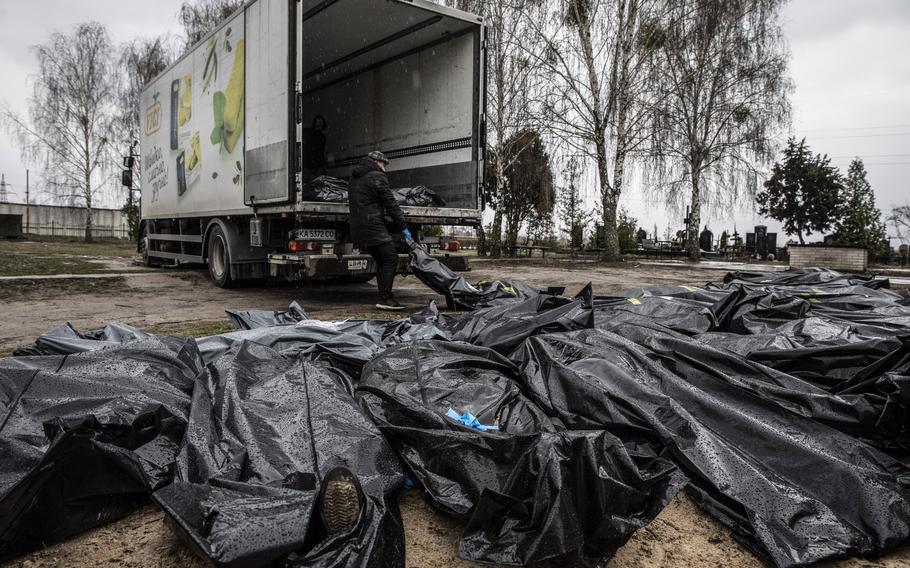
x=850, y=66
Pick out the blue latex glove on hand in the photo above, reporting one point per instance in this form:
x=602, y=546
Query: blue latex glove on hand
x=407, y=235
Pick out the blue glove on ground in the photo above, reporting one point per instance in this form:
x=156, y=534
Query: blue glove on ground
x=469, y=420
x=407, y=235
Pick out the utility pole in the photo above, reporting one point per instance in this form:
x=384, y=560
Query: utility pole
x=4, y=196
x=26, y=203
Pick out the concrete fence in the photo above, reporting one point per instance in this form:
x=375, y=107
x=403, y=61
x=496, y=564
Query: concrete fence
x=847, y=259
x=62, y=221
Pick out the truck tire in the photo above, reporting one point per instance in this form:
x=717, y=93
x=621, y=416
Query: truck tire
x=219, y=259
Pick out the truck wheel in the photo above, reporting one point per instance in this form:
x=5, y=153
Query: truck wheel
x=220, y=259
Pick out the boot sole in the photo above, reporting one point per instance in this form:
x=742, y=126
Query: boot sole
x=340, y=506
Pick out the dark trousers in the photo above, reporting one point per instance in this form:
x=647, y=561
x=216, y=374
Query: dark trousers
x=386, y=257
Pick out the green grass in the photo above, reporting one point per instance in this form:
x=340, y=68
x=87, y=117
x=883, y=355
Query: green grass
x=201, y=328
x=49, y=257
x=20, y=290
x=47, y=245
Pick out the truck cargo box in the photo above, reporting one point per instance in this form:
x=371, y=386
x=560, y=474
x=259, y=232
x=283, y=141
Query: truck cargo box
x=223, y=126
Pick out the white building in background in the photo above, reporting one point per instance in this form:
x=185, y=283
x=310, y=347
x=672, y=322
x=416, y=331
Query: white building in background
x=64, y=221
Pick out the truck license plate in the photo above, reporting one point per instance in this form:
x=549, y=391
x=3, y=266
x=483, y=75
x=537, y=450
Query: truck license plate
x=316, y=235
x=357, y=264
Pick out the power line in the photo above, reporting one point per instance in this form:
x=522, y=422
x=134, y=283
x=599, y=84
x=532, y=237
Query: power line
x=861, y=155
x=855, y=128
x=888, y=164
x=861, y=136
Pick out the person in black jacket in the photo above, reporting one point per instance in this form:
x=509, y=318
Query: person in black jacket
x=371, y=199
x=314, y=160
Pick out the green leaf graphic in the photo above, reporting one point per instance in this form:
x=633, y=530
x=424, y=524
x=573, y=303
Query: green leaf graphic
x=218, y=102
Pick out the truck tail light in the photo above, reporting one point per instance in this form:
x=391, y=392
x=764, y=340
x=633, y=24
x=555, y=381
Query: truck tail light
x=304, y=246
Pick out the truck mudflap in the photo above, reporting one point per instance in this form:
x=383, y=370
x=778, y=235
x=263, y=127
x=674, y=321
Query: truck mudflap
x=288, y=266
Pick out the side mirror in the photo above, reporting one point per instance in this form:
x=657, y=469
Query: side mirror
x=126, y=178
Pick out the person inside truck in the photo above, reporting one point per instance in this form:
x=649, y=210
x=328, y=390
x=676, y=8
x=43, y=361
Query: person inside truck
x=371, y=200
x=314, y=160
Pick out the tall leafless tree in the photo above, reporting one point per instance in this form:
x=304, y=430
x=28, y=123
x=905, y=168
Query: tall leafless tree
x=199, y=17
x=70, y=129
x=722, y=100
x=141, y=60
x=597, y=59
x=900, y=219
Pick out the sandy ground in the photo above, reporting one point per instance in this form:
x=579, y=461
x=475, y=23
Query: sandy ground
x=680, y=536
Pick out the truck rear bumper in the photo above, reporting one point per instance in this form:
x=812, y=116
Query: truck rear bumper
x=325, y=267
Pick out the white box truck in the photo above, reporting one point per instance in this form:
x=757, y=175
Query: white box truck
x=222, y=132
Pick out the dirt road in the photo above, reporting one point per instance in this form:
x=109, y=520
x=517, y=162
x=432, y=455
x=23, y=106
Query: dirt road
x=184, y=302
x=166, y=301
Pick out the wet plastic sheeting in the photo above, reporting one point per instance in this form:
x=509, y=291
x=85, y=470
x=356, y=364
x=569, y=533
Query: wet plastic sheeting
x=420, y=196
x=875, y=412
x=825, y=345
x=531, y=490
x=805, y=277
x=459, y=293
x=254, y=319
x=347, y=344
x=765, y=390
x=328, y=189
x=682, y=314
x=64, y=340
x=262, y=432
x=85, y=437
x=505, y=326
x=325, y=189
x=793, y=490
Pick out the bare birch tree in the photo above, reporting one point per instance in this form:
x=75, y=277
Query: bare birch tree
x=596, y=61
x=722, y=100
x=199, y=17
x=900, y=218
x=141, y=60
x=69, y=131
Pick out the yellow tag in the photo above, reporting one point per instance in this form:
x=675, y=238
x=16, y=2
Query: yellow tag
x=809, y=297
x=634, y=301
x=689, y=288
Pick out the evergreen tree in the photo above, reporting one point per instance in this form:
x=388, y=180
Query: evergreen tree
x=804, y=192
x=860, y=221
x=573, y=215
x=625, y=227
x=527, y=187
